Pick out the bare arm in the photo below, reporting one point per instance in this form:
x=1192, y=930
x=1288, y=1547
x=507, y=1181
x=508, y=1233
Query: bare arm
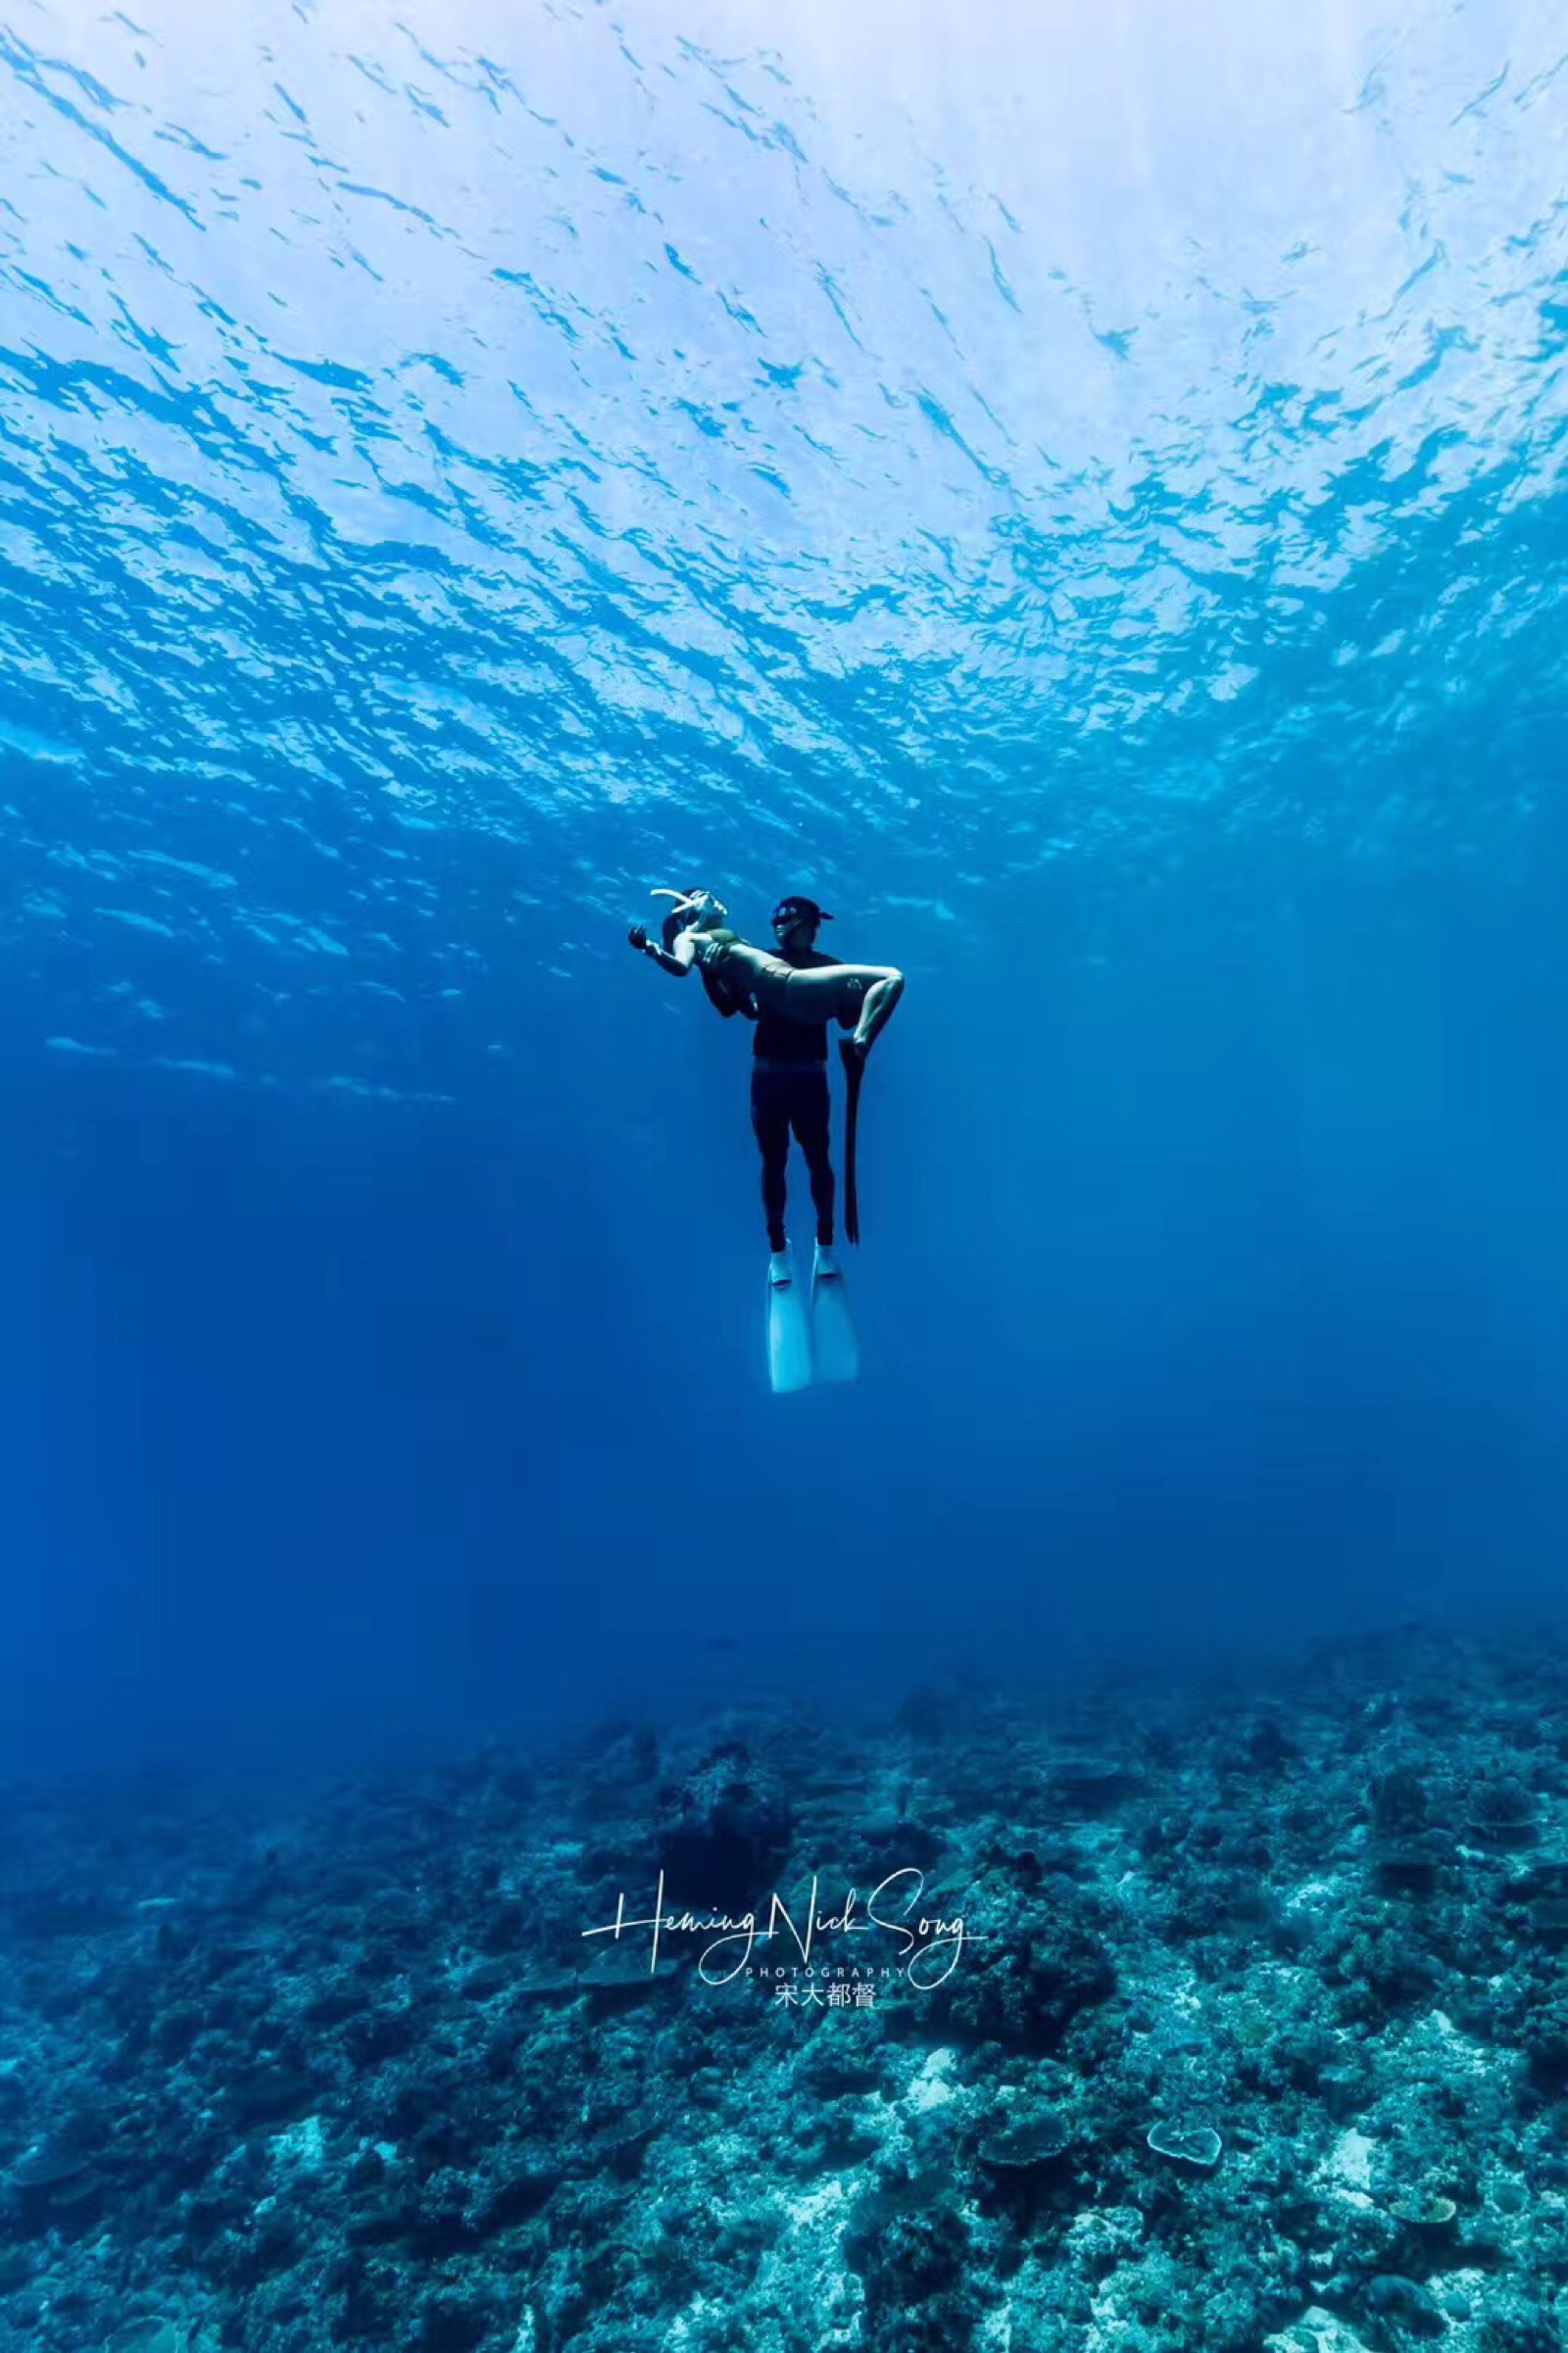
x=677, y=965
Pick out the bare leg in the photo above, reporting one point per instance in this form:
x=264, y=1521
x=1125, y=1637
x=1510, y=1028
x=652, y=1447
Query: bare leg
x=877, y=1009
x=817, y=993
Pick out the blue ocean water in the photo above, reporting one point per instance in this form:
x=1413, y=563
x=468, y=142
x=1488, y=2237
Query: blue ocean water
x=1079, y=491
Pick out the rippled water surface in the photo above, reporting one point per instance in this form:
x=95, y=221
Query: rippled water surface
x=490, y=447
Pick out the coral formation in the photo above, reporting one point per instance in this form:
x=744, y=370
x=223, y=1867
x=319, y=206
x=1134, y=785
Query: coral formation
x=1186, y=2020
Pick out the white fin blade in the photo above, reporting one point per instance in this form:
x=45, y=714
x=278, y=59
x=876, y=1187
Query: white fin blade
x=835, y=1341
x=789, y=1334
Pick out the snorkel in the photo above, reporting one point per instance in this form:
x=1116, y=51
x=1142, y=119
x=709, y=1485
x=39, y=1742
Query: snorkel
x=702, y=911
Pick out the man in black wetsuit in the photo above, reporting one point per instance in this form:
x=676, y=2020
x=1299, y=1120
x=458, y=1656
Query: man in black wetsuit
x=789, y=1071
x=789, y=1081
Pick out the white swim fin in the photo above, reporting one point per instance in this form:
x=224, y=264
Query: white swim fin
x=835, y=1341
x=789, y=1327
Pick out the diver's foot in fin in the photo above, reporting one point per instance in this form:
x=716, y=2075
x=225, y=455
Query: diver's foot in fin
x=835, y=1341
x=789, y=1327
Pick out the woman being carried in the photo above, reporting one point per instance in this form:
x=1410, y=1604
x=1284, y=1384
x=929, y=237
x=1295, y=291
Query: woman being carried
x=863, y=994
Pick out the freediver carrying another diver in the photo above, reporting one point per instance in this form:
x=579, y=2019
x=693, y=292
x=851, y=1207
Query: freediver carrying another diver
x=791, y=995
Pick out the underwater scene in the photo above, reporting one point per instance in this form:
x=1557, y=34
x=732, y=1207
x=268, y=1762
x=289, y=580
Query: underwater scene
x=785, y=1393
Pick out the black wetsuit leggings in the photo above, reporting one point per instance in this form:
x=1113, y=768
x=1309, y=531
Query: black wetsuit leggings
x=797, y=1099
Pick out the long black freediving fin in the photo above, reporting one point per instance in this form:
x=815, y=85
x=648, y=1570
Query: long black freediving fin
x=853, y=1073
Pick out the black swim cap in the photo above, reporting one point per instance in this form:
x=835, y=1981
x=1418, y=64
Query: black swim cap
x=791, y=908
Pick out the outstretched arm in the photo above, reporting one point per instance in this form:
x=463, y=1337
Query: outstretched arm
x=679, y=965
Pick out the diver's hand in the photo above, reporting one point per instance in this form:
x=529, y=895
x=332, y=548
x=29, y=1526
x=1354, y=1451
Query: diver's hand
x=638, y=936
x=852, y=1051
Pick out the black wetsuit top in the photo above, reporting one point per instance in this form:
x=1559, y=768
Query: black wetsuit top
x=801, y=1045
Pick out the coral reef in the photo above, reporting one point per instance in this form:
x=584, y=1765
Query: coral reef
x=1214, y=2018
